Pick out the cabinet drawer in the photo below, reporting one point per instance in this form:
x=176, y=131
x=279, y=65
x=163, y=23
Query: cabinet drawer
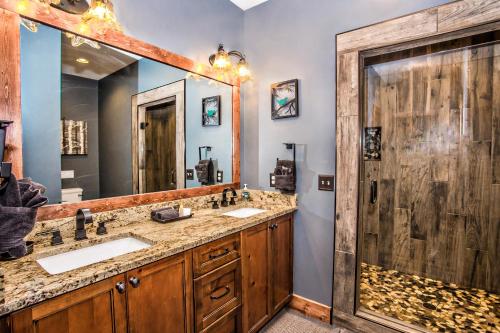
x=216, y=294
x=230, y=323
x=208, y=257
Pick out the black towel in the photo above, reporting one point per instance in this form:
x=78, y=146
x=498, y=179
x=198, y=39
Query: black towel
x=203, y=172
x=19, y=203
x=285, y=176
x=165, y=214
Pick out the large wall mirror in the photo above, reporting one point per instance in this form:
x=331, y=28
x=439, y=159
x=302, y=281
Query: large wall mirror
x=99, y=122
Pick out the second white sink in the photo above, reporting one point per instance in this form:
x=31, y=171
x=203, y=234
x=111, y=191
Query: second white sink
x=244, y=212
x=71, y=260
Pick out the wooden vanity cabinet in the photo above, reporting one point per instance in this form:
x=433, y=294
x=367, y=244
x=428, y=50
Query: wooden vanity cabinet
x=159, y=296
x=98, y=308
x=153, y=298
x=234, y=284
x=267, y=267
x=281, y=267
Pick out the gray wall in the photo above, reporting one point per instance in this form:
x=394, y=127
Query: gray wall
x=41, y=108
x=192, y=28
x=115, y=126
x=79, y=101
x=296, y=39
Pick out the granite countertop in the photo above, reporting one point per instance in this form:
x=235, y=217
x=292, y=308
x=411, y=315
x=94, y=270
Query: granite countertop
x=26, y=283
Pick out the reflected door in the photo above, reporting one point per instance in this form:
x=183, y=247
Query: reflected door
x=160, y=129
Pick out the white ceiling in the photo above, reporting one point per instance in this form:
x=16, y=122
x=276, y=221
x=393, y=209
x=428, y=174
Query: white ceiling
x=247, y=4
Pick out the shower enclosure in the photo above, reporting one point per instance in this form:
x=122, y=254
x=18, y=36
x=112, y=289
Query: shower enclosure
x=429, y=205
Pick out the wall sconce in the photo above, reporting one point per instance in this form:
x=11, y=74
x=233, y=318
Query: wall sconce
x=100, y=17
x=221, y=62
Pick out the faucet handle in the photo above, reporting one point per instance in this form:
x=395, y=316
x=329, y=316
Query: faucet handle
x=215, y=203
x=101, y=229
x=56, y=238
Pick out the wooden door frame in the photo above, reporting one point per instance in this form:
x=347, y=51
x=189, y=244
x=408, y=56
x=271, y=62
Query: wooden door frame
x=176, y=91
x=10, y=100
x=450, y=21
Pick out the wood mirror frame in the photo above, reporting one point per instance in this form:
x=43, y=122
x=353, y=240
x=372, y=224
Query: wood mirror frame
x=10, y=101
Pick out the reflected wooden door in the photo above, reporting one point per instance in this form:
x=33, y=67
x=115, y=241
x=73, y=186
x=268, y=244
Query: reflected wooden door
x=160, y=147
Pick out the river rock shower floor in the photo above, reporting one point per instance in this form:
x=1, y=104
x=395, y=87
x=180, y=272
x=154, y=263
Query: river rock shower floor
x=438, y=306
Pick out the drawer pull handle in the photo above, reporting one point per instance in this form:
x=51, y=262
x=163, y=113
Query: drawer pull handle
x=226, y=291
x=215, y=256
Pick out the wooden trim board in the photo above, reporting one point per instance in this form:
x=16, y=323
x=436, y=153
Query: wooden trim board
x=10, y=100
x=310, y=308
x=68, y=22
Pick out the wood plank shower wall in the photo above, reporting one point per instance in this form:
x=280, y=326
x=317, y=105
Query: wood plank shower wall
x=438, y=208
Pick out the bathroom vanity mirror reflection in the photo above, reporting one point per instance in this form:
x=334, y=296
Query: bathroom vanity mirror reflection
x=99, y=122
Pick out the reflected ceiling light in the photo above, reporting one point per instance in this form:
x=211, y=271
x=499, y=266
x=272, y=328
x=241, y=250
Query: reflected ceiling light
x=82, y=61
x=221, y=63
x=79, y=40
x=100, y=17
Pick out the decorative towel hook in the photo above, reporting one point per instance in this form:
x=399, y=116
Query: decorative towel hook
x=207, y=149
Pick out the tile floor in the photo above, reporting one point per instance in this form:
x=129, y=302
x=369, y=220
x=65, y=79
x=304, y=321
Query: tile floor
x=438, y=306
x=291, y=321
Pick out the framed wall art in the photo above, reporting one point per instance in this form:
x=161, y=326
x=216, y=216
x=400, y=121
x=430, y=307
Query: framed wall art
x=285, y=99
x=211, y=111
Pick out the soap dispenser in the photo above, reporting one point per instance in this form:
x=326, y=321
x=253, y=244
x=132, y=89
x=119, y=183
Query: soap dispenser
x=245, y=194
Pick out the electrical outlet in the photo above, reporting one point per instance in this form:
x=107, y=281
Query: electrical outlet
x=326, y=183
x=220, y=176
x=272, y=180
x=190, y=174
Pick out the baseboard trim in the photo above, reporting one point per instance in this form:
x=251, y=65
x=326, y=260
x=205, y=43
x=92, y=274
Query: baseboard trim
x=310, y=308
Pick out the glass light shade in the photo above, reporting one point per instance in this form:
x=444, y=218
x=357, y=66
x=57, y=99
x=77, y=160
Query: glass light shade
x=101, y=16
x=222, y=61
x=76, y=41
x=243, y=71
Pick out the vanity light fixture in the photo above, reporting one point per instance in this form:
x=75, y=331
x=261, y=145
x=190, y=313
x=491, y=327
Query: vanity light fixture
x=221, y=62
x=99, y=17
x=82, y=61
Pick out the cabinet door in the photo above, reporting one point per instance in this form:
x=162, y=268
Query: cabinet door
x=98, y=308
x=159, y=296
x=282, y=262
x=255, y=262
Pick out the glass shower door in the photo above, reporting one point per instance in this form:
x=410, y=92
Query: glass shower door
x=430, y=206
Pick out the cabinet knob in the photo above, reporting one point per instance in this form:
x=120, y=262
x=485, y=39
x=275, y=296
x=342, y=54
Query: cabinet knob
x=134, y=281
x=120, y=286
x=273, y=226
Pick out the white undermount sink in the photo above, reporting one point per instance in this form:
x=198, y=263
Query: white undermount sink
x=244, y=212
x=67, y=261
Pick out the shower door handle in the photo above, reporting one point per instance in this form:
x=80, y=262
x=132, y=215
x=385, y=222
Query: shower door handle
x=373, y=192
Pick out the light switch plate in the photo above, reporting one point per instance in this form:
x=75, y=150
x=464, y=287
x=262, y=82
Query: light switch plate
x=189, y=174
x=220, y=176
x=272, y=180
x=326, y=183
